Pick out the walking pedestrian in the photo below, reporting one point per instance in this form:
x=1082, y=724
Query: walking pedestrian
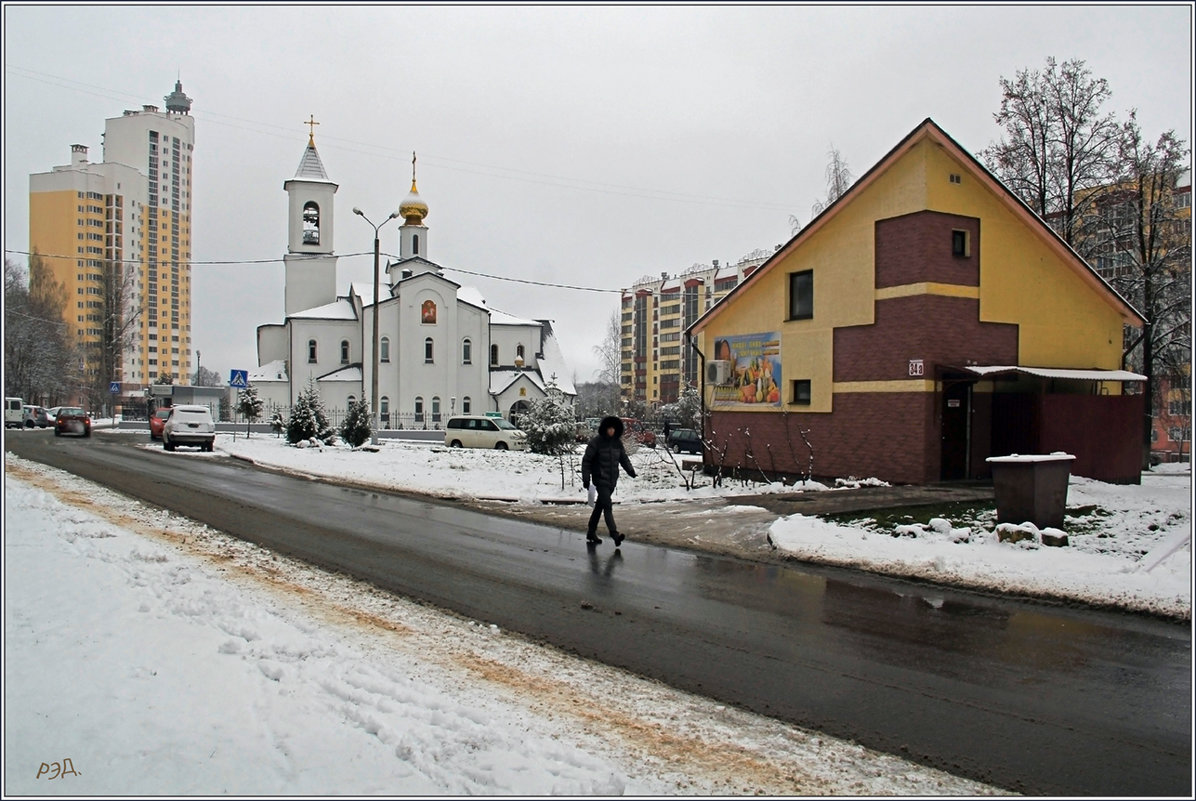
x=604, y=456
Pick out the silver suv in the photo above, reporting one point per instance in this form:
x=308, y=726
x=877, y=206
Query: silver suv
x=189, y=425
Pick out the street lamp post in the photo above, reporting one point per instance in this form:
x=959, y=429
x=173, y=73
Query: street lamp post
x=375, y=413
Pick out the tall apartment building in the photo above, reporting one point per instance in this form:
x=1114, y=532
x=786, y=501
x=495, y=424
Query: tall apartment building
x=655, y=363
x=127, y=216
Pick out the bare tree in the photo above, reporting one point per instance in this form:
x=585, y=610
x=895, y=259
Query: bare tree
x=1058, y=144
x=610, y=357
x=206, y=378
x=838, y=180
x=40, y=362
x=1141, y=239
x=119, y=317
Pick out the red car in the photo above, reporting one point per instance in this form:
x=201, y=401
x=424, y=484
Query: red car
x=72, y=420
x=157, y=421
x=637, y=431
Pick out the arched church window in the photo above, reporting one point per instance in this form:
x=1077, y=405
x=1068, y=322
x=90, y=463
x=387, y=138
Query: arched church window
x=311, y=223
x=415, y=245
x=466, y=405
x=494, y=355
x=344, y=351
x=384, y=349
x=428, y=350
x=435, y=408
x=311, y=351
x=467, y=352
x=518, y=351
x=419, y=410
x=384, y=411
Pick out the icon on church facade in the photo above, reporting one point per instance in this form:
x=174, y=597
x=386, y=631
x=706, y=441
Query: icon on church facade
x=428, y=312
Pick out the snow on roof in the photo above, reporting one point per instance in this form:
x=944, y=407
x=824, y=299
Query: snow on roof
x=502, y=318
x=552, y=364
x=500, y=380
x=352, y=373
x=1053, y=372
x=472, y=296
x=271, y=371
x=339, y=309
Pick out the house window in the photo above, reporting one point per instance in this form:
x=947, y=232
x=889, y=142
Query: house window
x=801, y=295
x=311, y=351
x=384, y=349
x=956, y=178
x=344, y=351
x=428, y=350
x=959, y=244
x=494, y=355
x=467, y=352
x=466, y=405
x=801, y=392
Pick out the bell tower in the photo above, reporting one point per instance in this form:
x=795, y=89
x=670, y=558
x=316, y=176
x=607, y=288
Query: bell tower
x=310, y=263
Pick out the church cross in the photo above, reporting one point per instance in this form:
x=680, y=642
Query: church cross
x=311, y=136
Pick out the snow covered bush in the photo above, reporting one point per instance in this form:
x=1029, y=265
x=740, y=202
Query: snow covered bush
x=308, y=419
x=550, y=426
x=357, y=426
x=249, y=405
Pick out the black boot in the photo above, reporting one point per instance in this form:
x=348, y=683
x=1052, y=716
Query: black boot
x=592, y=538
x=618, y=538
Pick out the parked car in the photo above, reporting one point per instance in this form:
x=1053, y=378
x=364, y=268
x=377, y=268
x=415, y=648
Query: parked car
x=638, y=432
x=189, y=424
x=157, y=421
x=477, y=431
x=72, y=420
x=14, y=412
x=52, y=413
x=685, y=440
x=36, y=416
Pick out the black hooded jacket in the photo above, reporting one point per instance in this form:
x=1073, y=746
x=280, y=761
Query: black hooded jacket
x=604, y=455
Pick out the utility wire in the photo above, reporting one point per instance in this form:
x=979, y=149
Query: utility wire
x=161, y=263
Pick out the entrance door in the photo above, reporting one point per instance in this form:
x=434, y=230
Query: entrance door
x=956, y=433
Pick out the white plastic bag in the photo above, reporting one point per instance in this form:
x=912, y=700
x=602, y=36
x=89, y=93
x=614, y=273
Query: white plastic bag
x=592, y=497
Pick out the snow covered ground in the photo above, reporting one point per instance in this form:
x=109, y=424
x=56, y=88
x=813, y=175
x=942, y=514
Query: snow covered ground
x=1131, y=549
x=146, y=654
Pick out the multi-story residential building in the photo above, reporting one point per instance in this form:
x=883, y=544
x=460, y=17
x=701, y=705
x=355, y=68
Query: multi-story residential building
x=655, y=363
x=121, y=230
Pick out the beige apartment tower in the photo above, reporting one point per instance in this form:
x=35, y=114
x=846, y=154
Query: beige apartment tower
x=656, y=364
x=125, y=221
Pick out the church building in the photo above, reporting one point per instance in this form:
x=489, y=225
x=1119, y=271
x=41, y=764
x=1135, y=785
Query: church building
x=441, y=349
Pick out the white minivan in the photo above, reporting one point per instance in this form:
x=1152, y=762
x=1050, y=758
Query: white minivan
x=479, y=431
x=14, y=412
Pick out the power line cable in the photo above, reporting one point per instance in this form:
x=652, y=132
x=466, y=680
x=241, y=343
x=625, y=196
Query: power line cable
x=383, y=151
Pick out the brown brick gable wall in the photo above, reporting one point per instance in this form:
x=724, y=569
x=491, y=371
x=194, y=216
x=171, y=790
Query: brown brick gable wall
x=917, y=247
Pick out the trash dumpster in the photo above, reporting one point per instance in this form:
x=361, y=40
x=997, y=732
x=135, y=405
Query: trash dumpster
x=1031, y=487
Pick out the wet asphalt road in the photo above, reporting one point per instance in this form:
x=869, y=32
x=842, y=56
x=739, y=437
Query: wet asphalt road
x=1035, y=699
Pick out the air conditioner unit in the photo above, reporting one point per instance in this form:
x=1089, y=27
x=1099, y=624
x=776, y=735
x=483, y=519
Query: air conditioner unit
x=718, y=372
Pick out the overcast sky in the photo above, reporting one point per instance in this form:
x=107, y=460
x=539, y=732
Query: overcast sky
x=585, y=146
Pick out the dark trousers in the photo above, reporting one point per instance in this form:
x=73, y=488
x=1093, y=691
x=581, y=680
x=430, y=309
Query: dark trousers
x=602, y=506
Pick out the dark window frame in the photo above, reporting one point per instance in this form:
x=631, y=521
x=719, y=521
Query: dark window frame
x=800, y=392
x=801, y=295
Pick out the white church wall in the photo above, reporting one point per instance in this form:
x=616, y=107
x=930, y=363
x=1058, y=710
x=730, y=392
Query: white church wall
x=272, y=343
x=328, y=336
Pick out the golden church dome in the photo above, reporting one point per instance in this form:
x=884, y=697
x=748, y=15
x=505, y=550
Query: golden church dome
x=413, y=209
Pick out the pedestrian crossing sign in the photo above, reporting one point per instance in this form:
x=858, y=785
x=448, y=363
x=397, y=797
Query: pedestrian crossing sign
x=239, y=378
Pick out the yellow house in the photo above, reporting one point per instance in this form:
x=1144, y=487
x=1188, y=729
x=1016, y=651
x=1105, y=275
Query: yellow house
x=923, y=322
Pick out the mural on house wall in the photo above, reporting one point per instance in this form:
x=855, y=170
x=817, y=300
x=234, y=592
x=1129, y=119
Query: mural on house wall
x=755, y=377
